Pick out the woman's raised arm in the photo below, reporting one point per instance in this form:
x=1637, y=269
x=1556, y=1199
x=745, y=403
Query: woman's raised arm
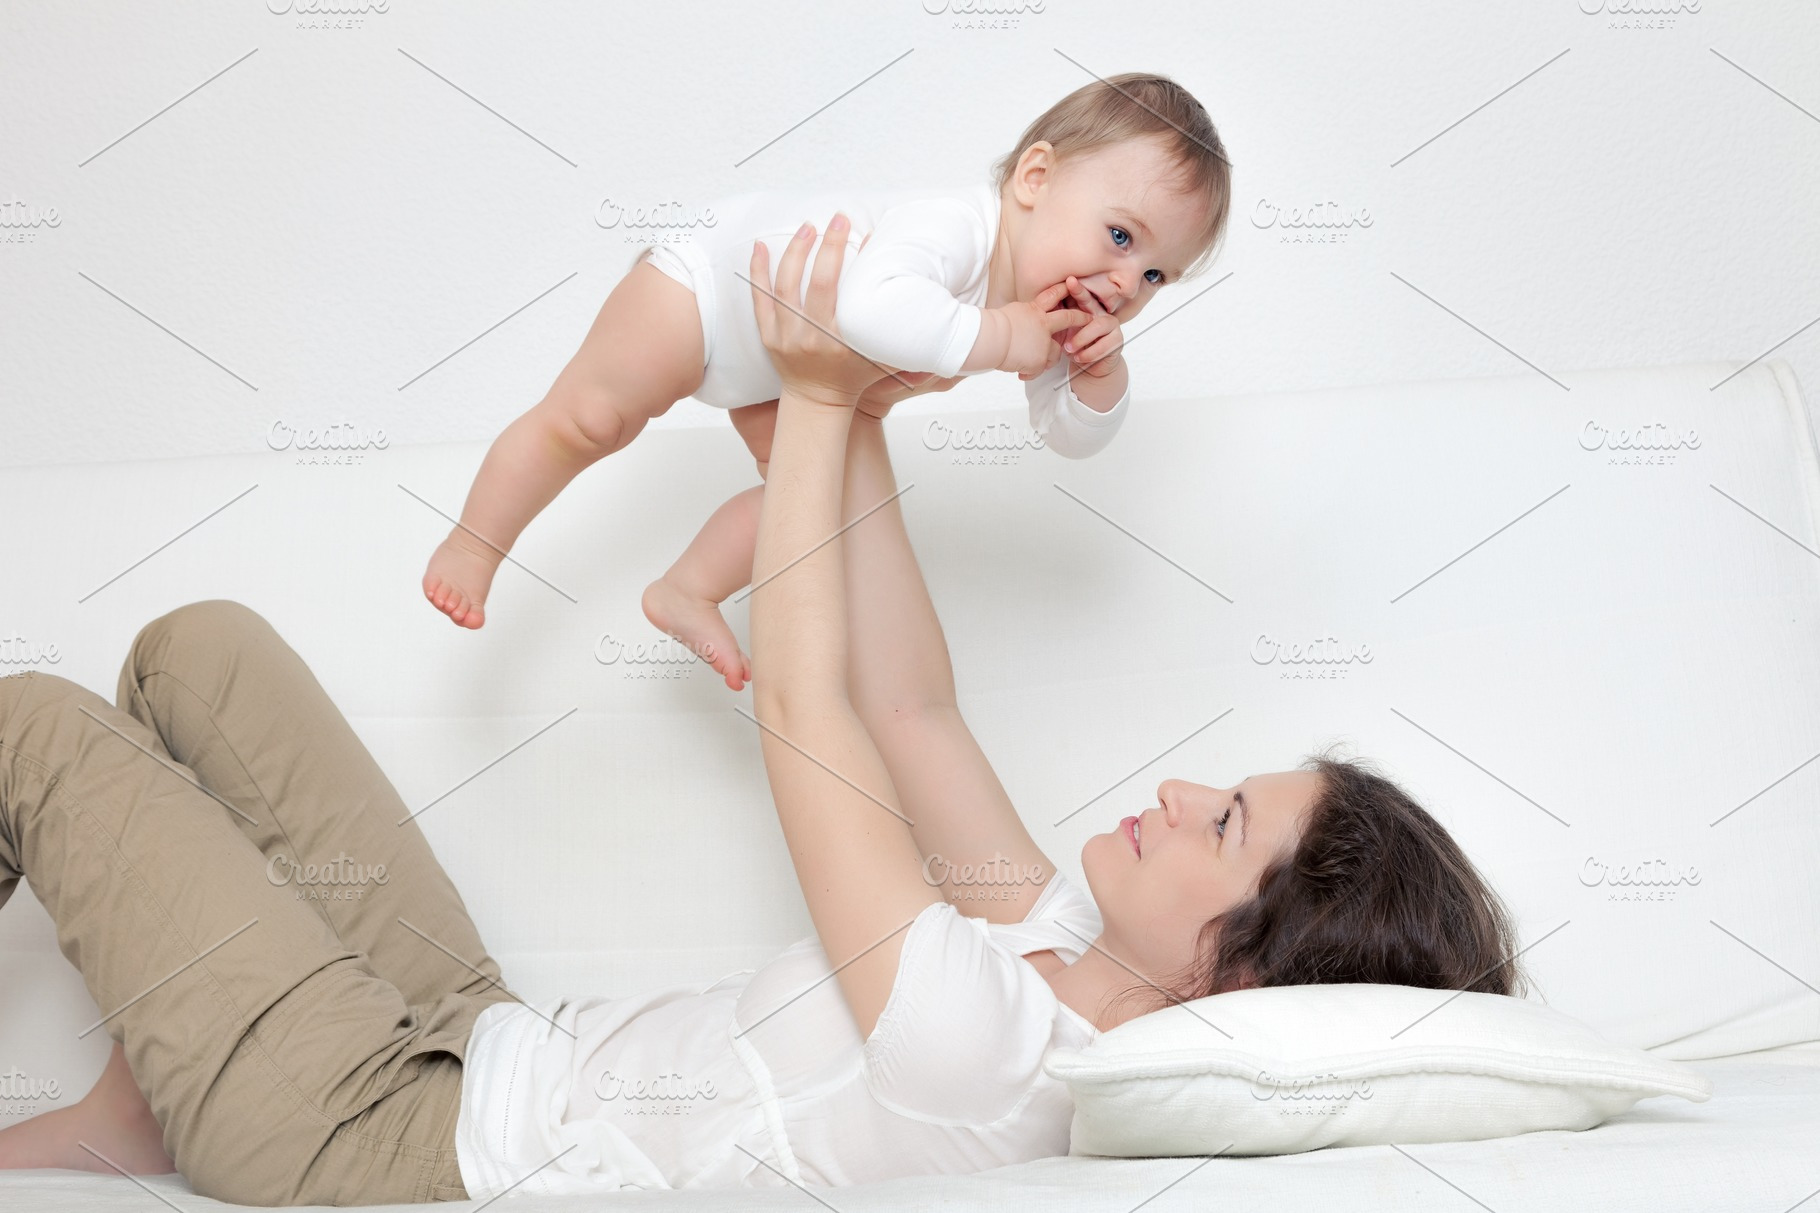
x=849, y=840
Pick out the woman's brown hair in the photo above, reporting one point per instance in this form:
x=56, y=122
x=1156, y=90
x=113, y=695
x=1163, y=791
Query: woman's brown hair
x=1374, y=890
x=1139, y=105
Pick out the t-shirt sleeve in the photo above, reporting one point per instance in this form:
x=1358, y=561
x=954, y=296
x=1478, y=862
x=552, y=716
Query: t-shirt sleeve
x=1068, y=425
x=961, y=1039
x=897, y=301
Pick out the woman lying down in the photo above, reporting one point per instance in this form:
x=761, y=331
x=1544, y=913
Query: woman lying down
x=279, y=1050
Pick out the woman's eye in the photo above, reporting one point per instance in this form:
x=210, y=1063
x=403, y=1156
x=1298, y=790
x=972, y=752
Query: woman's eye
x=1120, y=236
x=1222, y=822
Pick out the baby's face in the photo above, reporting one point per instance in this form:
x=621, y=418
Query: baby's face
x=1106, y=218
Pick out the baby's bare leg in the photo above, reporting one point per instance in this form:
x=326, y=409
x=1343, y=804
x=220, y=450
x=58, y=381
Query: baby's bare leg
x=685, y=602
x=643, y=353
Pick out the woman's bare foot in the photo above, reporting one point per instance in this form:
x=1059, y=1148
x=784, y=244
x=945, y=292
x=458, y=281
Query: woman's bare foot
x=110, y=1130
x=460, y=574
x=698, y=624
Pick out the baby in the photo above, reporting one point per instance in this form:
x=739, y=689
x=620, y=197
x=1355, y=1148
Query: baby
x=1117, y=190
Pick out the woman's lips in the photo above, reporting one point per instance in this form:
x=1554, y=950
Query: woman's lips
x=1129, y=828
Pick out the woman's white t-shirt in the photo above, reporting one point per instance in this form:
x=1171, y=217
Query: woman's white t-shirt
x=762, y=1079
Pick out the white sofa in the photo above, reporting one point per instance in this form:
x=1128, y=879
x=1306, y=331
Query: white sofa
x=1599, y=667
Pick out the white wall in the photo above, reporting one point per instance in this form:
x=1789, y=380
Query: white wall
x=259, y=220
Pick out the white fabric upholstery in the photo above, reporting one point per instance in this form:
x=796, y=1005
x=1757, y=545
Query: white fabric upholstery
x=1579, y=666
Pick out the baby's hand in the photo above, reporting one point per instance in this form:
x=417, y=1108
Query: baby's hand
x=1033, y=326
x=1096, y=346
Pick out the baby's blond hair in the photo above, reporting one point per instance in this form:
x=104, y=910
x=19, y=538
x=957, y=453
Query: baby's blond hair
x=1139, y=105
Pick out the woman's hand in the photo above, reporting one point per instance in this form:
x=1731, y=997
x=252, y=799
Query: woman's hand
x=877, y=400
x=805, y=346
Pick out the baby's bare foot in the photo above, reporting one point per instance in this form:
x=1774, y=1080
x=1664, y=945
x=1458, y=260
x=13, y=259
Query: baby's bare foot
x=698, y=624
x=460, y=574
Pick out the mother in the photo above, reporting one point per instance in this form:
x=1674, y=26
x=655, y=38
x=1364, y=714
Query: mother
x=363, y=1050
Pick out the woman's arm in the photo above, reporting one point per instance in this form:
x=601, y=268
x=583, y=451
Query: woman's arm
x=976, y=851
x=849, y=841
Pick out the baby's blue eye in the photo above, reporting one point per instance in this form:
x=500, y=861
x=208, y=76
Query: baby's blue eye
x=1120, y=236
x=1153, y=276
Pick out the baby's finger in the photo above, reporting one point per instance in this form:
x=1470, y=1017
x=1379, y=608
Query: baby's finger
x=1050, y=296
x=1084, y=297
x=1099, y=351
x=1064, y=318
x=1088, y=333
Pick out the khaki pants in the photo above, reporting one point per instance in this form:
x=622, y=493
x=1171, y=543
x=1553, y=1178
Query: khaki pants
x=300, y=1042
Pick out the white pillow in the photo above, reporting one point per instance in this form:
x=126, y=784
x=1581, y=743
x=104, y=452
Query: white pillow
x=1283, y=1069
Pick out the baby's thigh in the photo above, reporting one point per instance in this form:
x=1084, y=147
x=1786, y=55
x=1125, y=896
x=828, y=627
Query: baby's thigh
x=756, y=424
x=643, y=353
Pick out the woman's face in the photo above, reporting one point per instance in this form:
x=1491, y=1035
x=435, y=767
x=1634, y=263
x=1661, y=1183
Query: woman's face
x=1105, y=217
x=1159, y=877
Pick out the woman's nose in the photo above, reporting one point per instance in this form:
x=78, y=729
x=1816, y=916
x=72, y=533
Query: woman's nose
x=1168, y=795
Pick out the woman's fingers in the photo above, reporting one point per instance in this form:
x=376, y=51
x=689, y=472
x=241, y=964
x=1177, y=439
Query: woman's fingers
x=757, y=272
x=825, y=277
x=788, y=288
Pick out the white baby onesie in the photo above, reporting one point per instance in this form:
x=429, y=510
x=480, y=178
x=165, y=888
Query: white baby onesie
x=911, y=298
